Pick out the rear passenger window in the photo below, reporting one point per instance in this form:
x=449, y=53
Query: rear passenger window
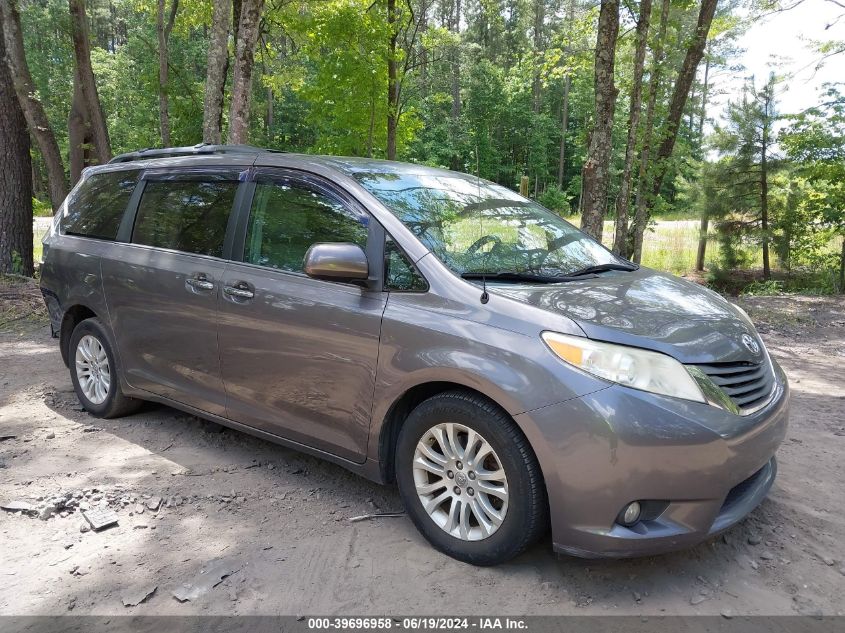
x=185, y=215
x=98, y=205
x=288, y=217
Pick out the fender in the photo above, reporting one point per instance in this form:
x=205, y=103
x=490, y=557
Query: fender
x=515, y=371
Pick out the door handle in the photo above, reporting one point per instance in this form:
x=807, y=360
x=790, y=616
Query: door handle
x=200, y=283
x=239, y=291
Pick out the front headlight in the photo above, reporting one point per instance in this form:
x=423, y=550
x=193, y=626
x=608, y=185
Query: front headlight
x=629, y=366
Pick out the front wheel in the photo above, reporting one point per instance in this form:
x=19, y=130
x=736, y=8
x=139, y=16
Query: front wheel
x=93, y=371
x=469, y=479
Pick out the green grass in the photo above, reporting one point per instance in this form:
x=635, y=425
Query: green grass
x=37, y=247
x=679, y=214
x=670, y=245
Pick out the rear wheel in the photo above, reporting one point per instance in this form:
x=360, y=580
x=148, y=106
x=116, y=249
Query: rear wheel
x=469, y=479
x=93, y=371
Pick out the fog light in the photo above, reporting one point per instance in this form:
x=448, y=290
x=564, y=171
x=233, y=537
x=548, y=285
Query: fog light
x=631, y=514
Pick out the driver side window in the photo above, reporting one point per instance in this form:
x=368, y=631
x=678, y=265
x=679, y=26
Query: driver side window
x=288, y=216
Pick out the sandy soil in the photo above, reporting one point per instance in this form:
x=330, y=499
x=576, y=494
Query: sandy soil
x=276, y=523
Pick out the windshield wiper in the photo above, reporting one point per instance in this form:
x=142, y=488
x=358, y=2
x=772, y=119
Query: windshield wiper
x=512, y=275
x=601, y=268
x=509, y=275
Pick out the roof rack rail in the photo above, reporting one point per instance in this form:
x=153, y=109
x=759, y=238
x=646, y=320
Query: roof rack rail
x=190, y=150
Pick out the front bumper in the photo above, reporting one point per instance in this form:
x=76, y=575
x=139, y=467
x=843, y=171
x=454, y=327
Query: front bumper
x=708, y=467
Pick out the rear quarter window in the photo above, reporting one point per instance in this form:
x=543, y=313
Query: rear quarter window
x=400, y=274
x=97, y=207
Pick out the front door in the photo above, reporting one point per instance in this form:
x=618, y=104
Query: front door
x=299, y=355
x=162, y=289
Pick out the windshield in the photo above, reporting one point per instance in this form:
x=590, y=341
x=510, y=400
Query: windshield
x=475, y=226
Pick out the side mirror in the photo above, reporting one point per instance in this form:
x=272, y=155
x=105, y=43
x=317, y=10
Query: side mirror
x=341, y=261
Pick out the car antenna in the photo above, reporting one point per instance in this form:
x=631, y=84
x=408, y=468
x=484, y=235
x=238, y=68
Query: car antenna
x=484, y=296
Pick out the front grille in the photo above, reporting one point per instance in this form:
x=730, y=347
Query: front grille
x=748, y=385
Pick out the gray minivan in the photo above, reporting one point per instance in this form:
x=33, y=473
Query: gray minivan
x=423, y=327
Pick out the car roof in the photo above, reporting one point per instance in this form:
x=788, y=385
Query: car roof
x=201, y=149
x=205, y=154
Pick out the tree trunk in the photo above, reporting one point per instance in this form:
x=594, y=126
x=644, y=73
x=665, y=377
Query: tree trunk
x=564, y=126
x=620, y=240
x=536, y=79
x=270, y=120
x=237, y=7
x=215, y=79
x=79, y=133
x=691, y=113
x=163, y=30
x=372, y=128
x=112, y=27
x=15, y=180
x=595, y=174
x=37, y=181
x=82, y=54
x=564, y=107
x=637, y=230
x=705, y=92
x=676, y=109
x=455, y=79
x=455, y=61
x=705, y=219
x=392, y=81
x=33, y=110
x=424, y=79
x=242, y=76
x=681, y=92
x=764, y=189
x=163, y=114
x=702, y=240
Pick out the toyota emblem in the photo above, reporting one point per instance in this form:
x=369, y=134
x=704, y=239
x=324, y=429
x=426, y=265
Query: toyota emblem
x=750, y=344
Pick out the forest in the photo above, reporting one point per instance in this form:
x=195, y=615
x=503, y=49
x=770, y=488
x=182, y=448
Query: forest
x=601, y=111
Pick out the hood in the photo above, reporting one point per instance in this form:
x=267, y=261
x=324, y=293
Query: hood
x=647, y=309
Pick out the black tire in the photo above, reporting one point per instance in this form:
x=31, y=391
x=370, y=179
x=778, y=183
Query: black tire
x=115, y=404
x=526, y=518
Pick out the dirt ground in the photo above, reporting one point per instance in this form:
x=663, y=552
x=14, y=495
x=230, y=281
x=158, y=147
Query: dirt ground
x=276, y=523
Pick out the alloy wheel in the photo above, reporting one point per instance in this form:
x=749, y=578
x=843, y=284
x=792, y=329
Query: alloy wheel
x=92, y=369
x=460, y=481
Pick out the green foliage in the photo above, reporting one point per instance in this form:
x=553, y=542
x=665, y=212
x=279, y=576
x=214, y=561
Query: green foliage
x=321, y=67
x=42, y=209
x=555, y=199
x=340, y=71
x=17, y=263
x=815, y=141
x=481, y=93
x=799, y=239
x=125, y=62
x=810, y=283
x=737, y=185
x=763, y=288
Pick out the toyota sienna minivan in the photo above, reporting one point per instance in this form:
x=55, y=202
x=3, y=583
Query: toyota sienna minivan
x=423, y=327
